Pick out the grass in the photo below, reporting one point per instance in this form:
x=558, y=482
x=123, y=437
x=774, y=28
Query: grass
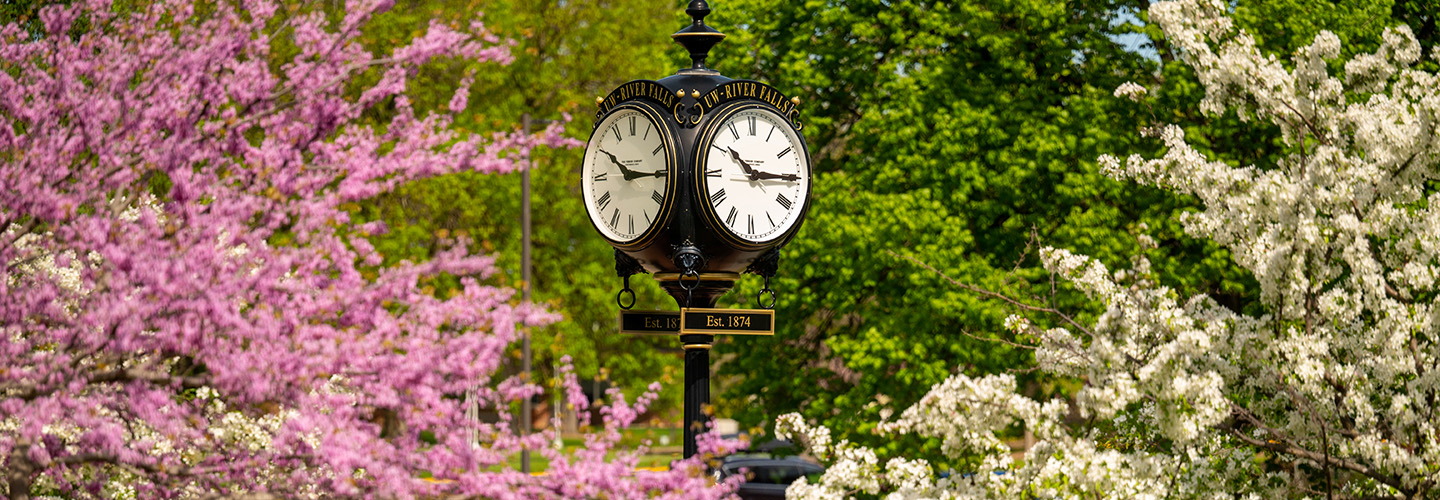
x=659, y=455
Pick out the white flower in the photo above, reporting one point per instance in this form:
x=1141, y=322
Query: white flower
x=1343, y=238
x=1017, y=324
x=1130, y=90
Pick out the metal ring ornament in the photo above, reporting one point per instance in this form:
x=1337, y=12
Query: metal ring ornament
x=620, y=301
x=693, y=284
x=689, y=290
x=622, y=292
x=761, y=302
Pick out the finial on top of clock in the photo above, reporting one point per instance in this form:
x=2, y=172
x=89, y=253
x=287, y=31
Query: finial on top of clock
x=698, y=38
x=698, y=9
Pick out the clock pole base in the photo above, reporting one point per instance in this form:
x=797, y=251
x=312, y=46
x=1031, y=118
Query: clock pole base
x=703, y=290
x=697, y=389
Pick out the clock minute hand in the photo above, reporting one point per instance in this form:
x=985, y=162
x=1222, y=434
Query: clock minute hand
x=627, y=173
x=750, y=172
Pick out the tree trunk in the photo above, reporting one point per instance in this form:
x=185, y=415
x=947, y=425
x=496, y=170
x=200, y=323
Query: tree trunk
x=21, y=476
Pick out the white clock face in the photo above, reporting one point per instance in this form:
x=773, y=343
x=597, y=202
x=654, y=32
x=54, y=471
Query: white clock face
x=756, y=175
x=627, y=175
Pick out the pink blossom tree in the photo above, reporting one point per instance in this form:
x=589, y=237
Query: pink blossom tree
x=187, y=309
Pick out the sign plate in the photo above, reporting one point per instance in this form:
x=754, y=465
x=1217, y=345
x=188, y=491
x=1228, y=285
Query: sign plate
x=727, y=321
x=649, y=322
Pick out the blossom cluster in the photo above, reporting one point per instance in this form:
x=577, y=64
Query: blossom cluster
x=1331, y=392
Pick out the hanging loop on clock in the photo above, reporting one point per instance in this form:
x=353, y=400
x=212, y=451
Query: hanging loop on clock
x=689, y=286
x=625, y=266
x=760, y=302
x=620, y=297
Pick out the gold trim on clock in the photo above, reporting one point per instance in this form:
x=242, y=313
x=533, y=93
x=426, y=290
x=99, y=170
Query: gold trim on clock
x=703, y=276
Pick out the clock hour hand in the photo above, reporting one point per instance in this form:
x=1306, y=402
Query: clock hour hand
x=761, y=176
x=632, y=175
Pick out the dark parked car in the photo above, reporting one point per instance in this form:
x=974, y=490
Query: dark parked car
x=767, y=474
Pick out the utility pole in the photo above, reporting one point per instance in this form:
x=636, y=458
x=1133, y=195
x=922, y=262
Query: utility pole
x=525, y=278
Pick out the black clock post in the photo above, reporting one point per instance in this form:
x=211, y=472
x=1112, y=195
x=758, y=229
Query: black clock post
x=696, y=178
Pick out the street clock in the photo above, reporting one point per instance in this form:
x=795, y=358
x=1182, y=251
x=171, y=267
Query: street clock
x=697, y=174
x=696, y=178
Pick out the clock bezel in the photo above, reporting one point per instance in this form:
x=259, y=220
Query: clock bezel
x=668, y=141
x=706, y=138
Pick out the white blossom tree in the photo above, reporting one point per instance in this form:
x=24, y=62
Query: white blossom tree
x=1331, y=393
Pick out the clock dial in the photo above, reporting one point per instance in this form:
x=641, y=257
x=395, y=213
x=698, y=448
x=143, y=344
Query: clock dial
x=755, y=174
x=627, y=174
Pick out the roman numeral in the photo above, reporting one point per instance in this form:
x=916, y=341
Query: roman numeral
x=772, y=132
x=772, y=221
x=783, y=201
x=657, y=150
x=712, y=173
x=615, y=218
x=717, y=197
x=632, y=125
x=717, y=146
x=604, y=201
x=733, y=130
x=615, y=129
x=785, y=152
x=730, y=220
x=601, y=176
x=632, y=224
x=752, y=223
x=647, y=217
x=752, y=126
x=659, y=198
x=647, y=131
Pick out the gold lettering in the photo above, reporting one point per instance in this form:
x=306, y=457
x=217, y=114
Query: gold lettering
x=714, y=321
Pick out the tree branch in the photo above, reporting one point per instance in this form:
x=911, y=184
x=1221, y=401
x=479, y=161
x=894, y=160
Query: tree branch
x=1286, y=445
x=999, y=296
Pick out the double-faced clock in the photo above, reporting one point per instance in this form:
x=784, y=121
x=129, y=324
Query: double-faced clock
x=628, y=178
x=752, y=173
